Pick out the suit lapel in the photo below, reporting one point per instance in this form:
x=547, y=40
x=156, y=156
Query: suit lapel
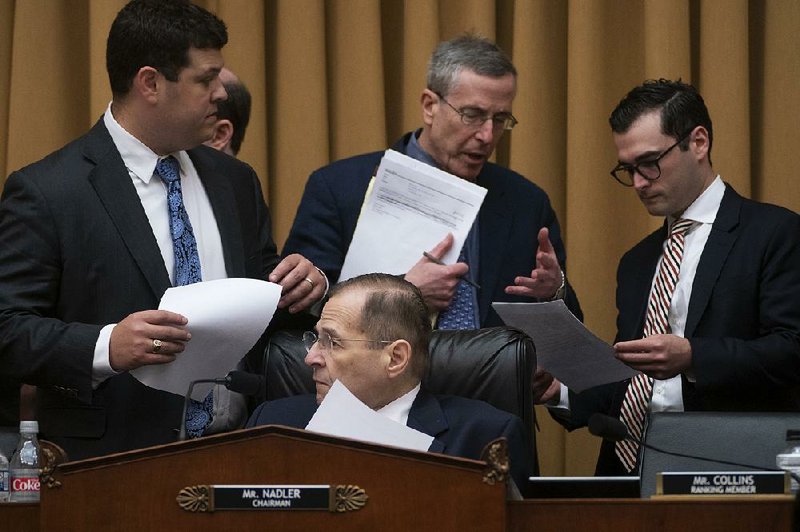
x=220, y=195
x=426, y=416
x=112, y=183
x=720, y=241
x=495, y=221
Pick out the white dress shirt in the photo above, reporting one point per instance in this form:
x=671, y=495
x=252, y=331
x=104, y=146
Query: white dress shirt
x=141, y=163
x=668, y=394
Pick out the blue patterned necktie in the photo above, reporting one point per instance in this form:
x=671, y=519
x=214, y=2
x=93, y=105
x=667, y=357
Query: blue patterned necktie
x=461, y=312
x=187, y=271
x=187, y=261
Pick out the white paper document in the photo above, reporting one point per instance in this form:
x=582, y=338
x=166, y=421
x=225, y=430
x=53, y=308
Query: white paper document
x=226, y=319
x=410, y=208
x=341, y=414
x=564, y=347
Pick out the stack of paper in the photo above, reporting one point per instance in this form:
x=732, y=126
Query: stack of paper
x=412, y=206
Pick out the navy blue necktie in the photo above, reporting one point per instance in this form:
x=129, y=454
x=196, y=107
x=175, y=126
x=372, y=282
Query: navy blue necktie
x=187, y=271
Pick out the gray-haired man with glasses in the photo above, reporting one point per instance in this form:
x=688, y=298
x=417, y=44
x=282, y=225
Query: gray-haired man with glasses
x=708, y=305
x=513, y=252
x=373, y=336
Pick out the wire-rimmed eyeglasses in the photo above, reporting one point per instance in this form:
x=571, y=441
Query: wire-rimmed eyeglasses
x=648, y=169
x=475, y=117
x=326, y=341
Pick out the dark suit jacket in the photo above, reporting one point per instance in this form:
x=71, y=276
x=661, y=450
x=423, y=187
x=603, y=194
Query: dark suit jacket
x=460, y=427
x=509, y=220
x=78, y=253
x=9, y=402
x=743, y=321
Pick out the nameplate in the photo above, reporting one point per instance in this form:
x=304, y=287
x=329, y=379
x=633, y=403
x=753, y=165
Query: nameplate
x=706, y=483
x=216, y=497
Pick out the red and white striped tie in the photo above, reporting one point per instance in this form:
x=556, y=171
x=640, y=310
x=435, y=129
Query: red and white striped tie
x=637, y=396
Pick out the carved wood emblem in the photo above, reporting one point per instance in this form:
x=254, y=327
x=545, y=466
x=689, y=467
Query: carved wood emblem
x=495, y=454
x=349, y=498
x=195, y=499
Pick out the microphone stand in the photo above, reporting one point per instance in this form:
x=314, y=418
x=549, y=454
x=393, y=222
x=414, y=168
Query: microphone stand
x=182, y=433
x=236, y=381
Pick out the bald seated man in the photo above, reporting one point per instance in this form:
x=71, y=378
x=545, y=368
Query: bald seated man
x=373, y=336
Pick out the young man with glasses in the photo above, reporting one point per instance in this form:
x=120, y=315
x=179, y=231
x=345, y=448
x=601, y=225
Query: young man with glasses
x=709, y=305
x=514, y=251
x=373, y=336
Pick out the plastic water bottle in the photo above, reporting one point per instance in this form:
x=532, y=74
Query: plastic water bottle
x=789, y=458
x=25, y=464
x=4, y=480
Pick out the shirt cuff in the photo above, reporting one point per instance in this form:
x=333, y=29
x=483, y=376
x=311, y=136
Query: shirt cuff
x=561, y=291
x=563, y=399
x=101, y=365
x=327, y=283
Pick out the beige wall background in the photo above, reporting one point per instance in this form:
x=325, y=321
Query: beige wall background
x=339, y=77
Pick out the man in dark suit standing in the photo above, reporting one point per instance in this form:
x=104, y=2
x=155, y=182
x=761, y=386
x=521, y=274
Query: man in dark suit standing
x=93, y=234
x=709, y=305
x=373, y=337
x=514, y=251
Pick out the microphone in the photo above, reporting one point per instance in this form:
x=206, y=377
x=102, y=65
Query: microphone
x=238, y=381
x=613, y=429
x=244, y=382
x=609, y=428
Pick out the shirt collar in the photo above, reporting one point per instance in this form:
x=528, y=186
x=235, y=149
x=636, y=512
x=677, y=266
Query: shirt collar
x=704, y=208
x=399, y=409
x=415, y=151
x=138, y=158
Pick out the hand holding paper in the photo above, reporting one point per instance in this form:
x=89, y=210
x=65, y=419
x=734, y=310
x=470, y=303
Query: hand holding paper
x=225, y=318
x=545, y=387
x=302, y=284
x=131, y=342
x=564, y=347
x=661, y=356
x=436, y=280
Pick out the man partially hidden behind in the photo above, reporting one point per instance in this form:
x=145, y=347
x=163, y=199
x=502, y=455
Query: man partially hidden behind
x=373, y=337
x=233, y=115
x=514, y=250
x=94, y=234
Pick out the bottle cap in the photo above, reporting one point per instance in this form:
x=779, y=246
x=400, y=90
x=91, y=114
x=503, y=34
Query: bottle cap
x=792, y=435
x=33, y=426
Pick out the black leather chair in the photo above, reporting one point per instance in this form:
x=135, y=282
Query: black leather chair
x=747, y=438
x=495, y=365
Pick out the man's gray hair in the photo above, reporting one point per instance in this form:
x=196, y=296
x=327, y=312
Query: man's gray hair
x=470, y=52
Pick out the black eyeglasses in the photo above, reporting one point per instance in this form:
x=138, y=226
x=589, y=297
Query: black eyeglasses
x=649, y=169
x=326, y=341
x=474, y=117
